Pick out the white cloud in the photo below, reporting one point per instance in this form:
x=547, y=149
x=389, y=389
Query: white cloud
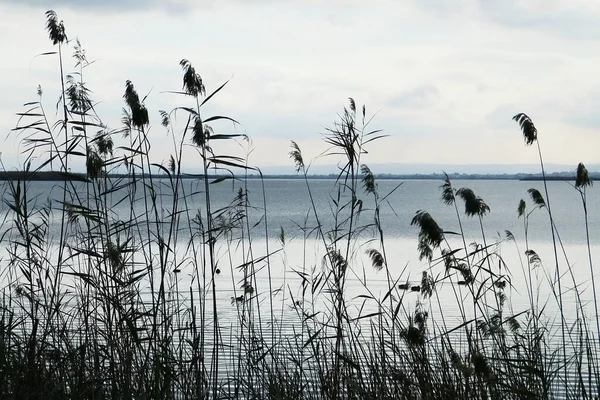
x=441, y=74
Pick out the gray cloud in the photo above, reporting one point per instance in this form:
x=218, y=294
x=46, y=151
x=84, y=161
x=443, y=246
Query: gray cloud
x=465, y=69
x=589, y=119
x=568, y=24
x=501, y=116
x=584, y=111
x=559, y=18
x=421, y=97
x=109, y=6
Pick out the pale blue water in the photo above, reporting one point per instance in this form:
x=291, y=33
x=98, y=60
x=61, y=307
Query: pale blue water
x=288, y=205
x=289, y=208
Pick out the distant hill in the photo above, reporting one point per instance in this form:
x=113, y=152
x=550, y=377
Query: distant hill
x=426, y=169
x=60, y=176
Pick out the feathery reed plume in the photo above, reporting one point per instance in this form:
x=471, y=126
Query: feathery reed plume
x=296, y=156
x=376, y=259
x=104, y=143
x=583, y=178
x=138, y=112
x=352, y=104
x=165, y=121
x=172, y=164
x=430, y=234
x=466, y=273
x=509, y=235
x=474, y=205
x=537, y=197
x=447, y=191
x=368, y=180
x=201, y=132
x=522, y=207
x=527, y=128
x=56, y=30
x=192, y=82
x=93, y=164
x=427, y=284
x=534, y=258
x=79, y=55
x=79, y=96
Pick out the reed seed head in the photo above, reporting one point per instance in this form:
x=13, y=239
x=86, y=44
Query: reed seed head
x=296, y=156
x=583, y=178
x=447, y=191
x=139, y=113
x=521, y=208
x=192, y=82
x=527, y=128
x=474, y=205
x=368, y=179
x=537, y=198
x=56, y=30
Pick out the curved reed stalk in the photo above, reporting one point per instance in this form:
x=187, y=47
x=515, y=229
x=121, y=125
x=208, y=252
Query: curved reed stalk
x=530, y=134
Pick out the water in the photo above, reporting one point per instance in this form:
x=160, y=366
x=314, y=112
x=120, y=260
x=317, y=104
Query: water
x=289, y=210
x=288, y=204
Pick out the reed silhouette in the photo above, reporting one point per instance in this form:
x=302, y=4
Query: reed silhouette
x=94, y=305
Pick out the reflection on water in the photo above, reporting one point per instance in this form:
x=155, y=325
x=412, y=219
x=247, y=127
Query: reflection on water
x=289, y=207
x=281, y=284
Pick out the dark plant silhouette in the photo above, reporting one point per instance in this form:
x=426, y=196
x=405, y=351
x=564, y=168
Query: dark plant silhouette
x=527, y=128
x=582, y=181
x=582, y=177
x=530, y=134
x=430, y=234
x=474, y=205
x=56, y=29
x=137, y=280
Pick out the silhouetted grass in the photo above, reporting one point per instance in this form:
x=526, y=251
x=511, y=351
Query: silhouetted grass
x=94, y=304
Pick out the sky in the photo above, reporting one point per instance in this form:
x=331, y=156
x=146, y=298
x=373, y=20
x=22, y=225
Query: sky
x=442, y=78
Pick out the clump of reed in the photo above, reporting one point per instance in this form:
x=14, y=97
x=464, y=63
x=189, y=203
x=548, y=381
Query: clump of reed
x=95, y=304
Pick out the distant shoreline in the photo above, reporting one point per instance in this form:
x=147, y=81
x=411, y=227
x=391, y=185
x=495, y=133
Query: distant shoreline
x=81, y=177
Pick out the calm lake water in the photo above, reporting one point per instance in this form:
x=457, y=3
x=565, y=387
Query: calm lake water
x=288, y=205
x=289, y=209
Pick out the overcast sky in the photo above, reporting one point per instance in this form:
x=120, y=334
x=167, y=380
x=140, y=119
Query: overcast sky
x=444, y=76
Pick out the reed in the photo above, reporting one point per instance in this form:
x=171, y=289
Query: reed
x=113, y=287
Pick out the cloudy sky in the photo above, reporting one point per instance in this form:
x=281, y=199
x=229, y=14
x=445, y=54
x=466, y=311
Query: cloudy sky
x=444, y=77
